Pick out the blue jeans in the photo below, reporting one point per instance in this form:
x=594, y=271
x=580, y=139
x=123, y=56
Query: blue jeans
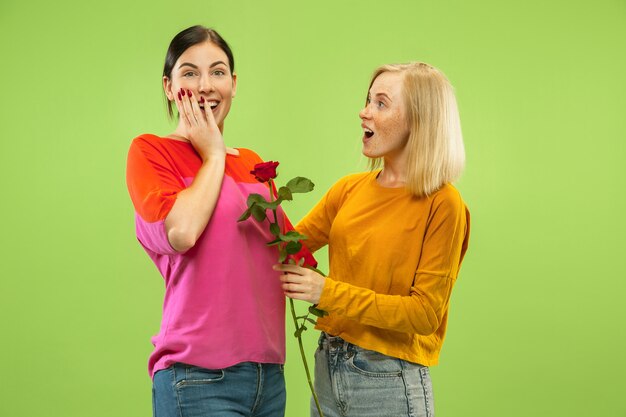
x=246, y=389
x=354, y=382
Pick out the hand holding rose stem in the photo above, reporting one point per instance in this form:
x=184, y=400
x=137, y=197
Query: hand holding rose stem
x=288, y=244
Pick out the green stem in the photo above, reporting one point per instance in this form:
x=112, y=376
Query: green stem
x=295, y=318
x=272, y=186
x=306, y=366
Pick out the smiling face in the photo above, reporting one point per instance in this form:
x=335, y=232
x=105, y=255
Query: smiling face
x=384, y=120
x=204, y=69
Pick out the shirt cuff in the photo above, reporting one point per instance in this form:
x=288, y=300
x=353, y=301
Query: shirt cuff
x=326, y=299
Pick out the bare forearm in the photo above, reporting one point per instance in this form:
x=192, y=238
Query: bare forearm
x=195, y=205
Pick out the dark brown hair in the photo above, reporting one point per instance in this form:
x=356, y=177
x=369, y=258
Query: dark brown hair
x=185, y=40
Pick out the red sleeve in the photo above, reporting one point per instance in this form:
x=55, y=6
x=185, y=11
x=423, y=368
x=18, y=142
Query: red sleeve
x=304, y=253
x=152, y=179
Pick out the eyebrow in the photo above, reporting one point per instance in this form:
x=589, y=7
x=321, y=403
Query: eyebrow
x=189, y=64
x=383, y=95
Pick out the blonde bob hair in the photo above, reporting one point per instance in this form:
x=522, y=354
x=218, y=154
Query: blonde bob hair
x=436, y=154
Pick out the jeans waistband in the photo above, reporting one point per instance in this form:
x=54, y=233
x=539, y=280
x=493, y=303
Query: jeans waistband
x=335, y=343
x=259, y=365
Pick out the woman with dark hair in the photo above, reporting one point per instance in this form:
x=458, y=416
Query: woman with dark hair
x=221, y=347
x=396, y=239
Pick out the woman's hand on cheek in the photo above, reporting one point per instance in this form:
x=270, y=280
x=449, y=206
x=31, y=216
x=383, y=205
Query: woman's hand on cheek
x=301, y=283
x=202, y=131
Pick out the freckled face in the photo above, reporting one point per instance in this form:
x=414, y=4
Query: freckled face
x=384, y=121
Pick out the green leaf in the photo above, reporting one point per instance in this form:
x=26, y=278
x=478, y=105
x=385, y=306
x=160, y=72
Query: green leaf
x=275, y=229
x=284, y=193
x=282, y=256
x=269, y=206
x=255, y=198
x=298, y=332
x=300, y=185
x=310, y=320
x=292, y=236
x=317, y=312
x=293, y=247
x=258, y=213
x=245, y=215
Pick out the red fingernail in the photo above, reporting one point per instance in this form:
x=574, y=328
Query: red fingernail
x=201, y=99
x=189, y=93
x=179, y=96
x=182, y=92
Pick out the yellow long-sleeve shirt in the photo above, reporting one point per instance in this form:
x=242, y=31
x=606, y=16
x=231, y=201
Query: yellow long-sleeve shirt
x=393, y=261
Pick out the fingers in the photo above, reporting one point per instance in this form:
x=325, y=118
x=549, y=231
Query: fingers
x=293, y=283
x=186, y=111
x=187, y=104
x=303, y=284
x=182, y=113
x=198, y=114
x=191, y=112
x=294, y=289
x=208, y=114
x=292, y=279
x=298, y=296
x=294, y=269
x=184, y=108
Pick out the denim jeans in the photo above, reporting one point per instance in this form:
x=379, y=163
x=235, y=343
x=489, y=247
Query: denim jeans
x=354, y=382
x=246, y=389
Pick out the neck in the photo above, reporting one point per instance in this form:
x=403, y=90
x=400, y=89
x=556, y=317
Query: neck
x=178, y=136
x=182, y=132
x=394, y=173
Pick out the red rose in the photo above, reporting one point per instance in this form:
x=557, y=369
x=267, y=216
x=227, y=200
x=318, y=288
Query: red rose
x=265, y=171
x=304, y=252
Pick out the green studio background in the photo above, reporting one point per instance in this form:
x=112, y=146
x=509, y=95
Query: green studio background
x=536, y=321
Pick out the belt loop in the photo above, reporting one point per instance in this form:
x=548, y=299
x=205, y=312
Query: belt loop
x=320, y=341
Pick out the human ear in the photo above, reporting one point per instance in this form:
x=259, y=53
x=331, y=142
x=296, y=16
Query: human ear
x=167, y=87
x=234, y=85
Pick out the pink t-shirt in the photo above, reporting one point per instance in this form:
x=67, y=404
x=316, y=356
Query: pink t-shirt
x=223, y=302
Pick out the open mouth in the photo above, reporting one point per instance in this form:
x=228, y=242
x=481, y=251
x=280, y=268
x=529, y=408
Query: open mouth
x=368, y=133
x=211, y=103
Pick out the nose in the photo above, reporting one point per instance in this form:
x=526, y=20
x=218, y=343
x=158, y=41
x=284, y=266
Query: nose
x=364, y=113
x=205, y=85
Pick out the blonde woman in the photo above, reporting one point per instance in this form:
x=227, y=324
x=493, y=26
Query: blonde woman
x=396, y=236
